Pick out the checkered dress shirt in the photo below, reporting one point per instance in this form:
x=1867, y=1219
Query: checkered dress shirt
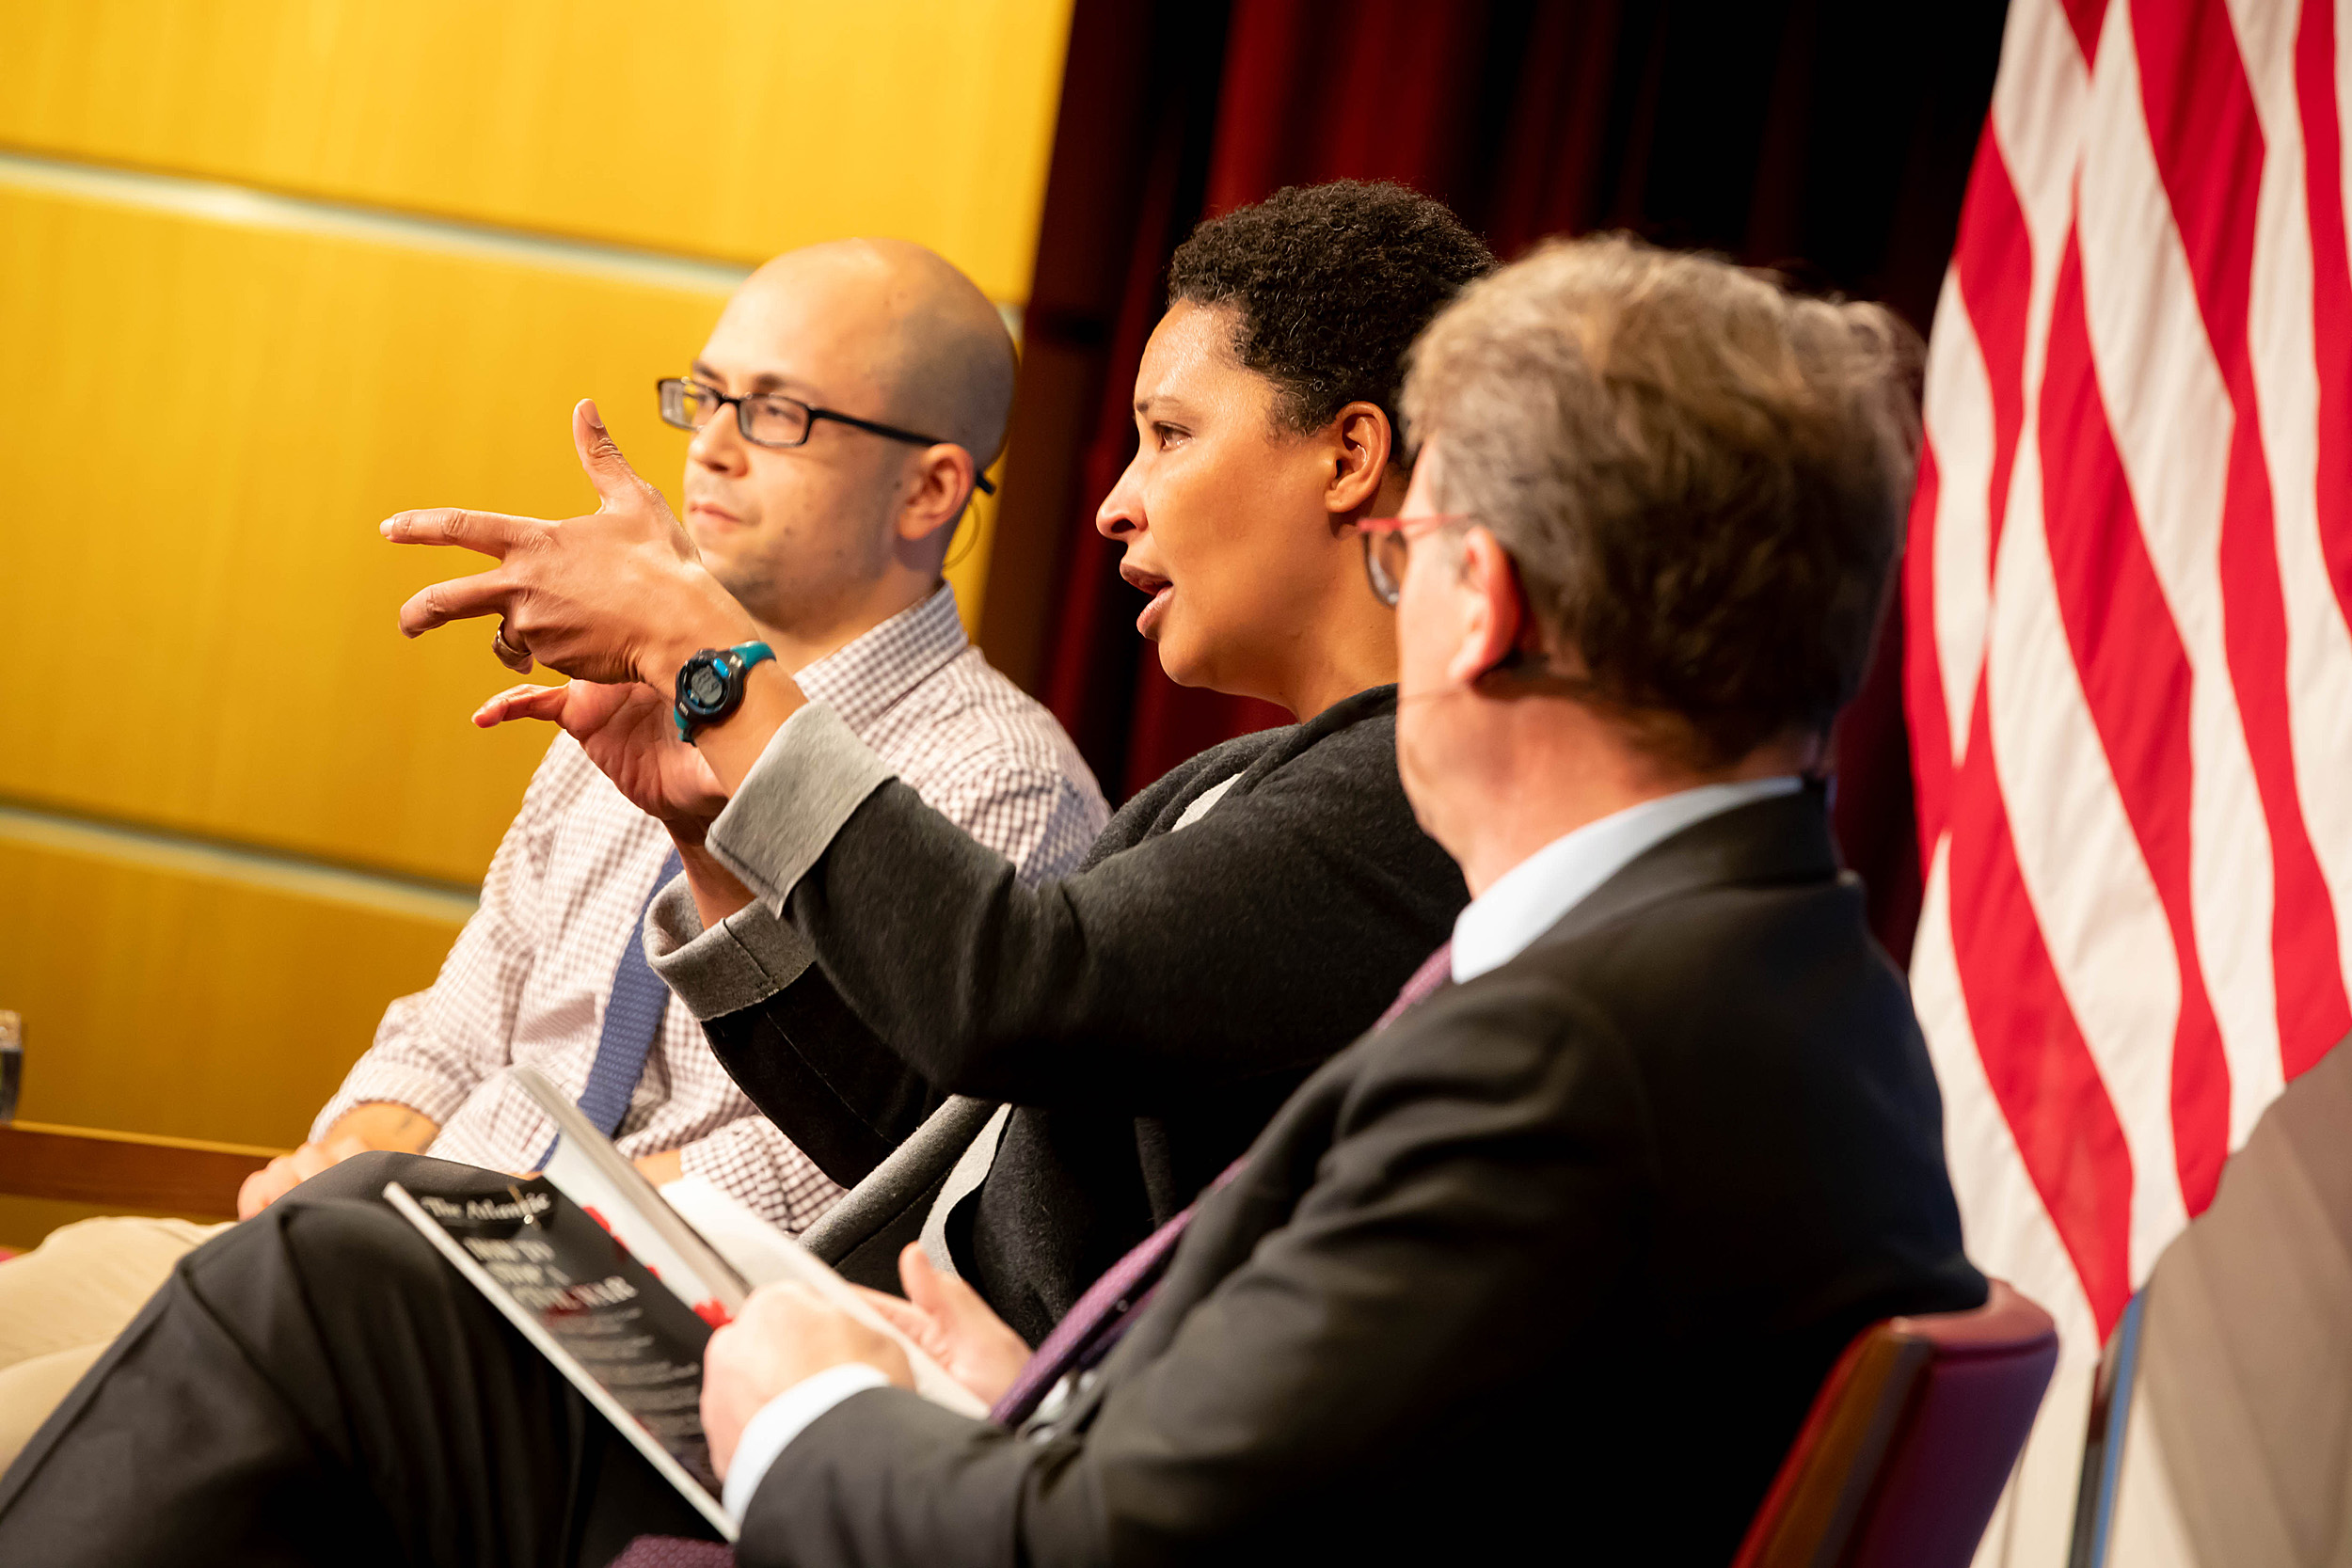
x=530, y=974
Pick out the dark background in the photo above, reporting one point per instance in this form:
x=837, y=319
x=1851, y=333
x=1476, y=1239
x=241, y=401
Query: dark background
x=1830, y=139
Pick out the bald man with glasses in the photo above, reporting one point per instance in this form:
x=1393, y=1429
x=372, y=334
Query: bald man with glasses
x=871, y=384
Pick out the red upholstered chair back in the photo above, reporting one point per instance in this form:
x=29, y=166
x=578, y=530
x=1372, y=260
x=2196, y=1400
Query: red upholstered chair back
x=1907, y=1446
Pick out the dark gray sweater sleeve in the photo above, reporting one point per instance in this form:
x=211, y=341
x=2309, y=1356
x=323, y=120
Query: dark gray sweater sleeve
x=1254, y=941
x=812, y=776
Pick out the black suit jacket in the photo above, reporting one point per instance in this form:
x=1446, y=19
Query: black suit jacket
x=1146, y=1014
x=1561, y=1257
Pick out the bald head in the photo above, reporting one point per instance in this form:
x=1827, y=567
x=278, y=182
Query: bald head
x=824, y=539
x=917, y=333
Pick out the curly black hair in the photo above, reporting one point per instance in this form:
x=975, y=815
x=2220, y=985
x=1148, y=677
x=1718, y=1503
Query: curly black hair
x=1330, y=284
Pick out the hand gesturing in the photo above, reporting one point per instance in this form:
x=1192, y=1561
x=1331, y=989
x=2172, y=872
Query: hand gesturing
x=626, y=731
x=615, y=596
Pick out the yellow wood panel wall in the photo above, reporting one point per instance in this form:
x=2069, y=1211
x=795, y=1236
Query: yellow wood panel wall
x=733, y=128
x=197, y=1006
x=207, y=426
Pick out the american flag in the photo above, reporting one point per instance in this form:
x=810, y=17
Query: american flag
x=2129, y=667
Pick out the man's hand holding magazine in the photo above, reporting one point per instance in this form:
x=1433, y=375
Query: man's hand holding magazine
x=784, y=1333
x=787, y=1332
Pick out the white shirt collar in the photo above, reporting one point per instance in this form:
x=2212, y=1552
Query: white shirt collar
x=1529, y=899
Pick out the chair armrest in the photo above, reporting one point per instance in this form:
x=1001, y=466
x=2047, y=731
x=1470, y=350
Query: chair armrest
x=131, y=1170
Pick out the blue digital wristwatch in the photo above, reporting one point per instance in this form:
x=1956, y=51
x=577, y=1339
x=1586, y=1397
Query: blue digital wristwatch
x=710, y=685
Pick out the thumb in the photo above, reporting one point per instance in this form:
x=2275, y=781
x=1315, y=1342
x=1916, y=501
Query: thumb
x=945, y=1297
x=600, y=456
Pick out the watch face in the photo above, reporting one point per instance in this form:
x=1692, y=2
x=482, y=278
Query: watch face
x=706, y=685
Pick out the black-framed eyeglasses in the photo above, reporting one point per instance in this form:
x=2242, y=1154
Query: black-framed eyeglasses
x=773, y=419
x=1387, y=542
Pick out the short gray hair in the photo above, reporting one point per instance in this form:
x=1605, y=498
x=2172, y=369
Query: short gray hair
x=1701, y=477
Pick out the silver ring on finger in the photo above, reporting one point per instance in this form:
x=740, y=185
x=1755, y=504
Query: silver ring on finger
x=514, y=658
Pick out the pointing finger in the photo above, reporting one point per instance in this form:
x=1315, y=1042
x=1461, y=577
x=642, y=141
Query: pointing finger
x=458, y=599
x=491, y=533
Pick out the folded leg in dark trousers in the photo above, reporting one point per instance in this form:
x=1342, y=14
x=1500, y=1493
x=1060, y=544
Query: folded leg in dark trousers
x=319, y=1385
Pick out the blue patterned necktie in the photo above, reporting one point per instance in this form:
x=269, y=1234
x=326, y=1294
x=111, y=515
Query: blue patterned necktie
x=632, y=1021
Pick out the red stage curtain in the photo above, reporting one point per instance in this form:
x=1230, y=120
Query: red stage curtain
x=1829, y=138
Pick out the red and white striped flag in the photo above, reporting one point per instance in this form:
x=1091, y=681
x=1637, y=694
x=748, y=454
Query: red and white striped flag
x=2129, y=667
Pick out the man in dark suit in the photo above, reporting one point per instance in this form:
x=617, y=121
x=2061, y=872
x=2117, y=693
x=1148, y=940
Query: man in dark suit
x=1557, y=1253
